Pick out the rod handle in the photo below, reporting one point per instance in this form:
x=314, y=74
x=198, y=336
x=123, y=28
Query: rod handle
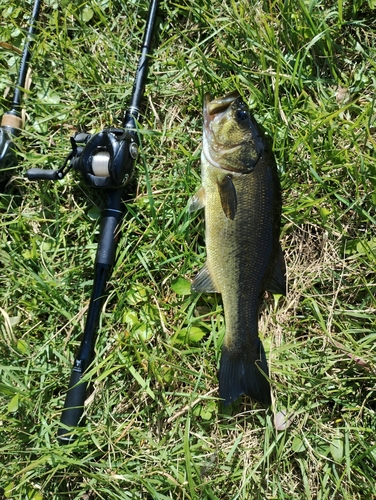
x=12, y=121
x=73, y=408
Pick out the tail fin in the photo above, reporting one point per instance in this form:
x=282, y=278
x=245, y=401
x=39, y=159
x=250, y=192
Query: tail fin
x=240, y=373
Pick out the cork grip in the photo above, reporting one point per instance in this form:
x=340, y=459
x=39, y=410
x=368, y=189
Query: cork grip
x=12, y=121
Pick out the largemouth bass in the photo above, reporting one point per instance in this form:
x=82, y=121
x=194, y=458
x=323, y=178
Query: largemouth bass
x=242, y=199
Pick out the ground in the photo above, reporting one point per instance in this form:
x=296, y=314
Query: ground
x=155, y=428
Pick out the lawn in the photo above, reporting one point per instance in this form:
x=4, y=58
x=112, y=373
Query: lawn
x=155, y=427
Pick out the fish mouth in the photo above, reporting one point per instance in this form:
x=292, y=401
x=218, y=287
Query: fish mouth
x=213, y=108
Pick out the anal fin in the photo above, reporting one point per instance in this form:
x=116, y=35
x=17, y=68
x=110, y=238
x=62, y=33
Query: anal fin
x=203, y=283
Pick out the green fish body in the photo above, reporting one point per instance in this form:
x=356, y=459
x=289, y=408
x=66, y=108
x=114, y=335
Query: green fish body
x=242, y=199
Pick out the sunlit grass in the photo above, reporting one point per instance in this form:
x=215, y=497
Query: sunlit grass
x=155, y=428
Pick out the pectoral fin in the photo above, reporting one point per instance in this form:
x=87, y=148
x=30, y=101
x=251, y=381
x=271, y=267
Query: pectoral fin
x=227, y=193
x=278, y=280
x=197, y=201
x=203, y=282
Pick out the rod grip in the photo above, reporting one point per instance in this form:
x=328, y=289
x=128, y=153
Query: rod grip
x=12, y=121
x=73, y=408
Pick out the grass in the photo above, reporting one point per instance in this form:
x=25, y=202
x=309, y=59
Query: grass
x=155, y=428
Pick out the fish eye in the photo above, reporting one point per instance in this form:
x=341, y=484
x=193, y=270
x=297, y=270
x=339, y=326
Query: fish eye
x=242, y=115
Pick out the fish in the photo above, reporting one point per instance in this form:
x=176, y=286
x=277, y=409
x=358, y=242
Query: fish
x=242, y=201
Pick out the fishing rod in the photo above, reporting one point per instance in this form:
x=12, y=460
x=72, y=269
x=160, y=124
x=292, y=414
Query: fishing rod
x=105, y=161
x=11, y=122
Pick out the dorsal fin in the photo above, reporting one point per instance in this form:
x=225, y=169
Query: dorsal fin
x=277, y=282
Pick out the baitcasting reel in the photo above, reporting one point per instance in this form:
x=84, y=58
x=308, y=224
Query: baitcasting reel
x=105, y=160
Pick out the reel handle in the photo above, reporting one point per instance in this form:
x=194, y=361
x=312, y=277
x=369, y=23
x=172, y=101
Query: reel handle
x=36, y=174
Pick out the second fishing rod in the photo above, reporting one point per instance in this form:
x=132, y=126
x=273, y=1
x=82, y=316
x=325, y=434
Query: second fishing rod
x=105, y=161
x=11, y=122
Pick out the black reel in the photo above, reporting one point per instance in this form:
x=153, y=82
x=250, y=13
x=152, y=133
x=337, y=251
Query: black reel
x=105, y=160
